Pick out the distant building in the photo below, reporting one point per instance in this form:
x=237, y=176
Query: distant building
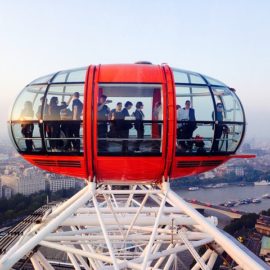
x=263, y=225
x=11, y=181
x=26, y=182
x=265, y=249
x=57, y=182
x=208, y=175
x=239, y=171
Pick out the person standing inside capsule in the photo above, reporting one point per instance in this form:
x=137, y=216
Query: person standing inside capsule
x=66, y=126
x=27, y=113
x=188, y=125
x=54, y=123
x=220, y=128
x=116, y=118
x=42, y=126
x=103, y=116
x=77, y=109
x=126, y=126
x=139, y=126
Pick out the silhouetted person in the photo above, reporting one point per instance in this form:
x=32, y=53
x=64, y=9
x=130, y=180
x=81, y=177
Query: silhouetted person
x=179, y=130
x=103, y=115
x=157, y=116
x=126, y=125
x=138, y=124
x=54, y=123
x=187, y=116
x=77, y=109
x=27, y=113
x=66, y=126
x=42, y=126
x=220, y=128
x=116, y=118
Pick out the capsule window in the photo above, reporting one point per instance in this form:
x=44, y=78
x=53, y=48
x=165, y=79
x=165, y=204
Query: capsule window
x=48, y=118
x=25, y=120
x=62, y=118
x=129, y=119
x=229, y=121
x=195, y=113
x=232, y=110
x=70, y=76
x=210, y=120
x=185, y=77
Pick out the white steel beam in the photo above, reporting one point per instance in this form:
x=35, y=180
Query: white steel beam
x=105, y=234
x=245, y=261
x=153, y=235
x=43, y=261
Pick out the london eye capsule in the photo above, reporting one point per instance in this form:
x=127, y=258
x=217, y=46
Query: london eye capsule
x=127, y=123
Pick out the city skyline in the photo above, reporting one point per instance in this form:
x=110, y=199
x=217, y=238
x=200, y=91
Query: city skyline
x=228, y=41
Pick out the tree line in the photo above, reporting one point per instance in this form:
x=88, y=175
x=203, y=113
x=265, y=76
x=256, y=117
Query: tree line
x=19, y=206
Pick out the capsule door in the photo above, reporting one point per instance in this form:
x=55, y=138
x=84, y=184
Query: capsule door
x=129, y=135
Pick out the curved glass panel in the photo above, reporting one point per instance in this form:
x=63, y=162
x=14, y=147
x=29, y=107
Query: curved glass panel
x=30, y=96
x=196, y=79
x=213, y=81
x=194, y=119
x=209, y=120
x=227, y=137
x=76, y=75
x=187, y=77
x=25, y=116
x=51, y=123
x=180, y=77
x=43, y=79
x=130, y=119
x=231, y=108
x=62, y=118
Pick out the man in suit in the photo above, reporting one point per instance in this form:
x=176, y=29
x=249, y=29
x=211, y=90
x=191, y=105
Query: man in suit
x=188, y=125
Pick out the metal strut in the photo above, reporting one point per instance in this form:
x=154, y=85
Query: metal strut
x=125, y=227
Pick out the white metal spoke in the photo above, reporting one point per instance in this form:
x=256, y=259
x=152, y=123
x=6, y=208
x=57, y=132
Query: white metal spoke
x=192, y=250
x=35, y=262
x=152, y=239
x=105, y=234
x=74, y=261
x=43, y=261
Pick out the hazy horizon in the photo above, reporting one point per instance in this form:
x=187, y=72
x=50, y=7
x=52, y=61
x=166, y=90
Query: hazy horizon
x=228, y=41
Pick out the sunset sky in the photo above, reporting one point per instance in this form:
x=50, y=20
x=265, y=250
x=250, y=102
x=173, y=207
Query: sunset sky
x=228, y=40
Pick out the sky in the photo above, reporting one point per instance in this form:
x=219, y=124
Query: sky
x=228, y=40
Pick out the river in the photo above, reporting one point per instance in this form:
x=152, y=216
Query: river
x=228, y=193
